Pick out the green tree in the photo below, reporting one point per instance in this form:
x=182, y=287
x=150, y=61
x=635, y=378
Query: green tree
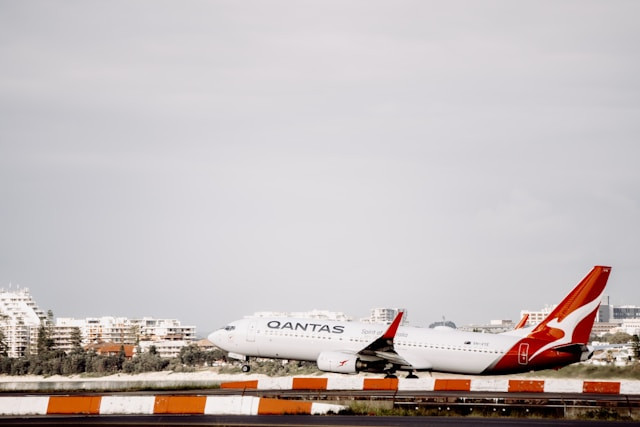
x=6, y=365
x=76, y=341
x=191, y=355
x=148, y=361
x=74, y=363
x=4, y=348
x=635, y=346
x=619, y=338
x=45, y=341
x=122, y=356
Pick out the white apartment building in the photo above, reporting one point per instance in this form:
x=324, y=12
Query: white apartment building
x=378, y=315
x=95, y=329
x=536, y=317
x=313, y=314
x=629, y=326
x=165, y=348
x=386, y=315
x=20, y=320
x=150, y=329
x=121, y=330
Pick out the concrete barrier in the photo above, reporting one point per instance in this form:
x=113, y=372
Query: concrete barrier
x=232, y=405
x=89, y=405
x=131, y=405
x=24, y=405
x=253, y=384
x=43, y=385
x=629, y=387
x=345, y=382
x=179, y=404
x=277, y=406
x=159, y=404
x=489, y=384
x=425, y=384
x=302, y=383
x=442, y=384
x=562, y=386
x=380, y=384
x=526, y=386
x=601, y=387
x=452, y=385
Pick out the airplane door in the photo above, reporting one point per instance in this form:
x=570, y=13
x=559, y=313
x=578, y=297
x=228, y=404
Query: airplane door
x=251, y=332
x=523, y=353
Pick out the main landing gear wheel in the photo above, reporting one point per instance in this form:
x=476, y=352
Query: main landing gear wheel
x=412, y=376
x=246, y=368
x=391, y=375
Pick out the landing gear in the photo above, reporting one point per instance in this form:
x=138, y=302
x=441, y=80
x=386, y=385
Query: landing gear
x=391, y=372
x=246, y=368
x=412, y=376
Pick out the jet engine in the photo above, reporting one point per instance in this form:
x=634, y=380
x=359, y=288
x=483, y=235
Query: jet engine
x=335, y=361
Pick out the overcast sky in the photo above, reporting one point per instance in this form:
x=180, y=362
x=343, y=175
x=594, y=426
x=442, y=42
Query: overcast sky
x=203, y=160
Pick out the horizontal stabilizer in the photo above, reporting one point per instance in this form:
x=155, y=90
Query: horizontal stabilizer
x=571, y=348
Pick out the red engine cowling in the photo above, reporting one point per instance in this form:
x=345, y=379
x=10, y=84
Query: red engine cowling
x=335, y=361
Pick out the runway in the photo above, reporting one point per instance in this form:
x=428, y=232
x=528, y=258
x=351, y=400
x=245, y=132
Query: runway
x=294, y=421
x=423, y=407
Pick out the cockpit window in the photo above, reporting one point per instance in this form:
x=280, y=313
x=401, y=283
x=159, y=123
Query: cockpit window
x=229, y=328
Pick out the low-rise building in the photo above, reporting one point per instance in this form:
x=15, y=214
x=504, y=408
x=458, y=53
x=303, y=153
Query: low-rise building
x=165, y=348
x=112, y=349
x=629, y=326
x=601, y=328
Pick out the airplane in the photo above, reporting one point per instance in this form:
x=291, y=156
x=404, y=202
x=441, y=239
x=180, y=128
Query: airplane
x=351, y=347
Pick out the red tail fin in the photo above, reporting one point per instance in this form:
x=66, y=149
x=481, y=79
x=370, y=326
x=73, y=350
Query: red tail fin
x=561, y=338
x=575, y=315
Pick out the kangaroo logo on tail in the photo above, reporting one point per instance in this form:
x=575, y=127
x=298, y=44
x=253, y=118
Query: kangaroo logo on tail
x=562, y=337
x=572, y=320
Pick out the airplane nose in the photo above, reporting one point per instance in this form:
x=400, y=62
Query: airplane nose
x=216, y=337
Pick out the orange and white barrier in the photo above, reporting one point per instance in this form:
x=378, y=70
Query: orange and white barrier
x=159, y=404
x=439, y=384
x=23, y=405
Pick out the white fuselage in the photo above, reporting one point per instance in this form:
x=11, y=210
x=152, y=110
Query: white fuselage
x=446, y=349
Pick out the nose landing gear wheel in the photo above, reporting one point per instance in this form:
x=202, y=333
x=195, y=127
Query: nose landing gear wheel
x=246, y=368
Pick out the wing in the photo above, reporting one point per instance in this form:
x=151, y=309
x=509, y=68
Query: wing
x=382, y=348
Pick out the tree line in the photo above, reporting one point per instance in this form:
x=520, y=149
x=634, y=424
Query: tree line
x=51, y=361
